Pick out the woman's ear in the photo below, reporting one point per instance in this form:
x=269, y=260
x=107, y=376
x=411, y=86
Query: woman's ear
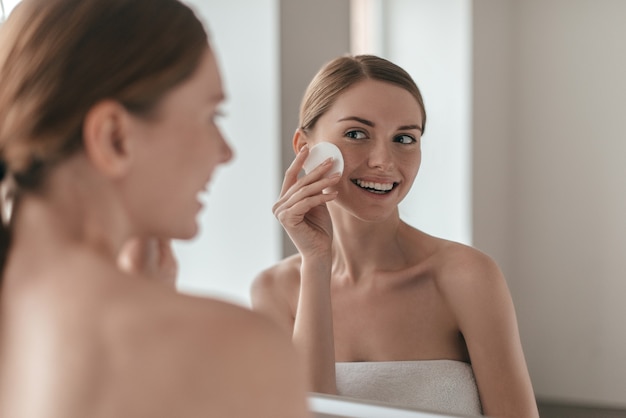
x=299, y=140
x=106, y=139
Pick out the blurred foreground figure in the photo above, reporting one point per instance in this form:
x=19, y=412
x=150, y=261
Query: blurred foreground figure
x=108, y=135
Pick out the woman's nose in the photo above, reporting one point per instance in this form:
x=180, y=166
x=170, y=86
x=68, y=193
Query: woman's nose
x=380, y=156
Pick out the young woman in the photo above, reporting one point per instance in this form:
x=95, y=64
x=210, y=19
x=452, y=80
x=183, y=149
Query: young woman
x=379, y=309
x=107, y=135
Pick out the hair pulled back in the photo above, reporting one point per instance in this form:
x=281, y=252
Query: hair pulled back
x=341, y=73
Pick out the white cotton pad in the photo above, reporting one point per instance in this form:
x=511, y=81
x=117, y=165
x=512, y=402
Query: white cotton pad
x=320, y=153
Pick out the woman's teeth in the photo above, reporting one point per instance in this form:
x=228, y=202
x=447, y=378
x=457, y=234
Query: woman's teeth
x=374, y=187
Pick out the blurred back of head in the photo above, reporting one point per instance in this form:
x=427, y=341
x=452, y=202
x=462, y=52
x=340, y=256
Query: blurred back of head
x=60, y=57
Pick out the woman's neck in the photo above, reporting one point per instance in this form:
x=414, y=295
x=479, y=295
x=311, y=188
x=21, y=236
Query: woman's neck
x=77, y=210
x=362, y=248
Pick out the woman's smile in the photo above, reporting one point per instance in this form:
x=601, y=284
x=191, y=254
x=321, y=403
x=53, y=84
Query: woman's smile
x=375, y=187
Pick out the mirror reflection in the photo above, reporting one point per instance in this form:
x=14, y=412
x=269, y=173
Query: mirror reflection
x=542, y=184
x=379, y=309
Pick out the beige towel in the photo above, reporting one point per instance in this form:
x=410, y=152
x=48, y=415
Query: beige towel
x=436, y=385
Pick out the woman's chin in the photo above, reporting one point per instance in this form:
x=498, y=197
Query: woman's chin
x=188, y=233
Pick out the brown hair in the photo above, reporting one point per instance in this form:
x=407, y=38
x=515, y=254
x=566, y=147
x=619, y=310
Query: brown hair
x=58, y=58
x=341, y=73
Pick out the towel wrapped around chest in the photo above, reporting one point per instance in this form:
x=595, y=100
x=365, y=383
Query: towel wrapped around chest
x=437, y=385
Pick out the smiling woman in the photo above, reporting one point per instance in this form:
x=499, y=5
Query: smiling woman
x=379, y=309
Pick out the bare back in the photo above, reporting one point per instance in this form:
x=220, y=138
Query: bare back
x=97, y=343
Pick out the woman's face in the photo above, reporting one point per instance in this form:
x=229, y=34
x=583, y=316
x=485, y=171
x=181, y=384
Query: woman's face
x=178, y=151
x=377, y=126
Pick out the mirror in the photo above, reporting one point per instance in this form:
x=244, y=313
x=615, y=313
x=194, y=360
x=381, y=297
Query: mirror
x=543, y=178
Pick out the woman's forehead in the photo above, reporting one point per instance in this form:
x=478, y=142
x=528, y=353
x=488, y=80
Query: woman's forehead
x=375, y=98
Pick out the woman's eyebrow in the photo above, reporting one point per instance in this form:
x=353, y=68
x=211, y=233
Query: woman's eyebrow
x=372, y=124
x=409, y=127
x=358, y=119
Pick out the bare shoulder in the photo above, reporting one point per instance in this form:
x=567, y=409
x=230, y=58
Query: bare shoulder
x=451, y=264
x=112, y=335
x=471, y=282
x=183, y=354
x=284, y=274
x=275, y=291
x=215, y=353
x=463, y=265
x=208, y=323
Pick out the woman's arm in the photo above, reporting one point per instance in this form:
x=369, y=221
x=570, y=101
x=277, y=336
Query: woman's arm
x=313, y=327
x=302, y=309
x=478, y=294
x=302, y=211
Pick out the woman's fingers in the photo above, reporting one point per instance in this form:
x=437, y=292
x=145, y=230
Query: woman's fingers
x=292, y=212
x=292, y=183
x=305, y=189
x=301, y=206
x=291, y=175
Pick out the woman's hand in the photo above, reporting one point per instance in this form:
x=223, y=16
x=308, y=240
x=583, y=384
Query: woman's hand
x=150, y=257
x=301, y=207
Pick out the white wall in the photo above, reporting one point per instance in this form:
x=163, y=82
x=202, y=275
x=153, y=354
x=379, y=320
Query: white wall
x=239, y=236
x=550, y=129
x=570, y=229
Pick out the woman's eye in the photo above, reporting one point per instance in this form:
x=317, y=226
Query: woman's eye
x=356, y=134
x=404, y=139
